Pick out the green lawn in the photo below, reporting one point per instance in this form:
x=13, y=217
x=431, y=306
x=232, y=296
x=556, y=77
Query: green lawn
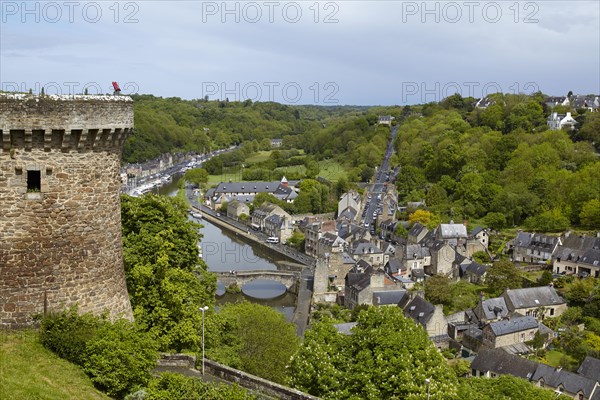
x=28, y=371
x=330, y=170
x=233, y=177
x=259, y=157
x=553, y=358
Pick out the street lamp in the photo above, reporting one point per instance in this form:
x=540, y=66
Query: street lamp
x=203, y=309
x=427, y=382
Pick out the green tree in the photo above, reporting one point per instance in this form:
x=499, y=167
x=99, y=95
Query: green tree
x=386, y=356
x=578, y=292
x=590, y=130
x=545, y=279
x=436, y=196
x=590, y=214
x=503, y=275
x=504, y=387
x=297, y=240
x=119, y=359
x=166, y=280
x=495, y=220
x=481, y=257
x=400, y=230
x=312, y=168
x=438, y=290
x=260, y=336
x=197, y=176
x=548, y=221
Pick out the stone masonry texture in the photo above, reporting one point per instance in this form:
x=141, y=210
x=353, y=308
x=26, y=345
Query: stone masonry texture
x=60, y=219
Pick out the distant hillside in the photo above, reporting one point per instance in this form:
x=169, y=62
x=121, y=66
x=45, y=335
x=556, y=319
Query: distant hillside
x=172, y=124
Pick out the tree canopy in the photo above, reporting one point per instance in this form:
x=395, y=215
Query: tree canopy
x=252, y=337
x=166, y=280
x=386, y=356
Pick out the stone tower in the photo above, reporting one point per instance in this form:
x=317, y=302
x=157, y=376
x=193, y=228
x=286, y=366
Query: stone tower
x=60, y=216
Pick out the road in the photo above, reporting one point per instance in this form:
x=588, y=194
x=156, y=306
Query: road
x=380, y=180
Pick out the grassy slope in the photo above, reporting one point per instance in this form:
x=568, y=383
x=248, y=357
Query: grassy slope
x=28, y=371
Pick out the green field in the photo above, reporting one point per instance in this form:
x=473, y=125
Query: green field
x=28, y=371
x=259, y=157
x=330, y=170
x=233, y=177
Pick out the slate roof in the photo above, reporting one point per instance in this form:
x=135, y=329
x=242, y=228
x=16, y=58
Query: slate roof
x=571, y=382
x=393, y=266
x=536, y=241
x=274, y=220
x=475, y=231
x=331, y=239
x=476, y=269
x=583, y=101
x=348, y=213
x=388, y=297
x=345, y=230
x=419, y=310
x=580, y=249
x=500, y=362
x=416, y=229
x=451, y=230
x=264, y=209
x=590, y=368
x=513, y=325
x=276, y=188
x=360, y=247
x=237, y=205
x=358, y=280
x=532, y=297
x=418, y=273
x=494, y=306
x=415, y=252
x=347, y=259
x=403, y=280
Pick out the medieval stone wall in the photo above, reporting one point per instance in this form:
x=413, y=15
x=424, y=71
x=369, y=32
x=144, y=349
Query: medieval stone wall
x=60, y=220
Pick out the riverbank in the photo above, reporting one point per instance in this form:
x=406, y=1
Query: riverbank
x=304, y=298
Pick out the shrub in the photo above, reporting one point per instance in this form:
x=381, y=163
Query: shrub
x=67, y=333
x=171, y=386
x=119, y=358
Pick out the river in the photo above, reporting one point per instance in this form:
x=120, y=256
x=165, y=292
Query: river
x=224, y=251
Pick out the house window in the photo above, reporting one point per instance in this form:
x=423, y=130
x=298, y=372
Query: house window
x=34, y=181
x=522, y=337
x=551, y=311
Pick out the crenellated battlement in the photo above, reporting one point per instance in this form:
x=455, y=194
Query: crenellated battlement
x=78, y=123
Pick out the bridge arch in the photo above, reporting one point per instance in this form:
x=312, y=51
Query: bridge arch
x=289, y=279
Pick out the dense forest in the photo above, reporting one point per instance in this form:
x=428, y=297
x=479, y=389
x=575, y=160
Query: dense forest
x=164, y=125
x=501, y=163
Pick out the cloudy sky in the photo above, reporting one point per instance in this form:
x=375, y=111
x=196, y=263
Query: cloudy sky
x=302, y=52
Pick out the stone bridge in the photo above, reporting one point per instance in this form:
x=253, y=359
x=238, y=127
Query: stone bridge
x=240, y=278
